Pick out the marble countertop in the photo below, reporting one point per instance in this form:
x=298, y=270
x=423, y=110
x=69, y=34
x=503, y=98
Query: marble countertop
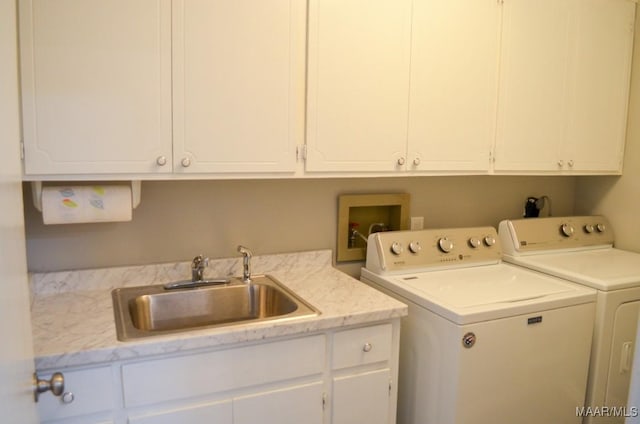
x=73, y=321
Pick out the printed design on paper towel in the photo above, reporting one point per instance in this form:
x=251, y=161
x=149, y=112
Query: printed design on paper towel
x=95, y=197
x=67, y=192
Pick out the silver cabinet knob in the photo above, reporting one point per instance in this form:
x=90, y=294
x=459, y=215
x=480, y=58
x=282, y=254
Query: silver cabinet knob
x=68, y=397
x=401, y=161
x=186, y=162
x=367, y=347
x=161, y=160
x=55, y=384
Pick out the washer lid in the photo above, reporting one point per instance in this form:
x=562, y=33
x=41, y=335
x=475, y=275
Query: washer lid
x=603, y=269
x=483, y=293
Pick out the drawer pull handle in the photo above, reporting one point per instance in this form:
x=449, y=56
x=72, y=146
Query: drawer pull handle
x=367, y=347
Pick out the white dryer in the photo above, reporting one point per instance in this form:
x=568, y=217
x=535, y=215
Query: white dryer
x=484, y=342
x=580, y=249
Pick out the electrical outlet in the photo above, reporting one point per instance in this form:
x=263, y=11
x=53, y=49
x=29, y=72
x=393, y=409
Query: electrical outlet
x=417, y=223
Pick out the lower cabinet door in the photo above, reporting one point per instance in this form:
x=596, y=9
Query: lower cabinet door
x=293, y=405
x=206, y=413
x=362, y=398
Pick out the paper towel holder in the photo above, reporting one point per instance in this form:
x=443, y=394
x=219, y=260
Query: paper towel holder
x=36, y=193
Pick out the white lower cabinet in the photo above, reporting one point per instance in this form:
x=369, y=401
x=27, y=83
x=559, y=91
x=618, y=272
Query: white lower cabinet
x=293, y=405
x=215, y=412
x=362, y=398
x=335, y=376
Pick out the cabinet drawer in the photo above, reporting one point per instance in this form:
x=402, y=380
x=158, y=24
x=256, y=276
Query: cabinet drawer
x=362, y=346
x=206, y=373
x=92, y=392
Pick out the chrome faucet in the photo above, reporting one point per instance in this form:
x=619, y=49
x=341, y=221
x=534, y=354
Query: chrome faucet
x=246, y=263
x=198, y=265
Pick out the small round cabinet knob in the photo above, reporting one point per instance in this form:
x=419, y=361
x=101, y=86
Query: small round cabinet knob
x=367, y=347
x=416, y=161
x=401, y=161
x=186, y=162
x=68, y=397
x=161, y=160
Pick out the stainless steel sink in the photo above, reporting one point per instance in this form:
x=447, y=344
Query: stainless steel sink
x=152, y=310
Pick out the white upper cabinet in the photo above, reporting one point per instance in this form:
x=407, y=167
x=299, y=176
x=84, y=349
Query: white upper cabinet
x=96, y=85
x=358, y=84
x=454, y=75
x=238, y=84
x=402, y=85
x=564, y=85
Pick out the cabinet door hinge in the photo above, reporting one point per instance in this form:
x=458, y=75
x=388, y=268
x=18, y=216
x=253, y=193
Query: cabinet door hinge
x=324, y=401
x=301, y=152
x=22, y=149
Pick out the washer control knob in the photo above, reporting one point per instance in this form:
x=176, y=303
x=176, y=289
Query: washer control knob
x=445, y=245
x=589, y=229
x=566, y=230
x=185, y=162
x=396, y=248
x=474, y=242
x=489, y=240
x=415, y=247
x=161, y=160
x=601, y=228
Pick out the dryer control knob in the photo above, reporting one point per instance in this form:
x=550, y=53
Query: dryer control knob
x=415, y=247
x=589, y=229
x=489, y=241
x=396, y=248
x=474, y=242
x=566, y=230
x=601, y=228
x=445, y=245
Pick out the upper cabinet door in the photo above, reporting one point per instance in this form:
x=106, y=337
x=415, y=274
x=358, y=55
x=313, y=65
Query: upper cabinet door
x=238, y=84
x=454, y=76
x=533, y=77
x=96, y=85
x=358, y=84
x=600, y=67
x=564, y=85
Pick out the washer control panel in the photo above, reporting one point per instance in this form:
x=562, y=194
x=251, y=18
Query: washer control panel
x=423, y=249
x=534, y=234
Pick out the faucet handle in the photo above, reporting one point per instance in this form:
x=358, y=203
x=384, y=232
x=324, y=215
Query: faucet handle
x=199, y=262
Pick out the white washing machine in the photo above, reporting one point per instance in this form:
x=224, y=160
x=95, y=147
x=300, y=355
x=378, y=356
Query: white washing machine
x=580, y=249
x=484, y=342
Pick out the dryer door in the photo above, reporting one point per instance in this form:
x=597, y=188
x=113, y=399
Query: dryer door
x=621, y=359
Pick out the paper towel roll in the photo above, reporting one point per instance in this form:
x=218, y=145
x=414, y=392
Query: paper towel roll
x=81, y=204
